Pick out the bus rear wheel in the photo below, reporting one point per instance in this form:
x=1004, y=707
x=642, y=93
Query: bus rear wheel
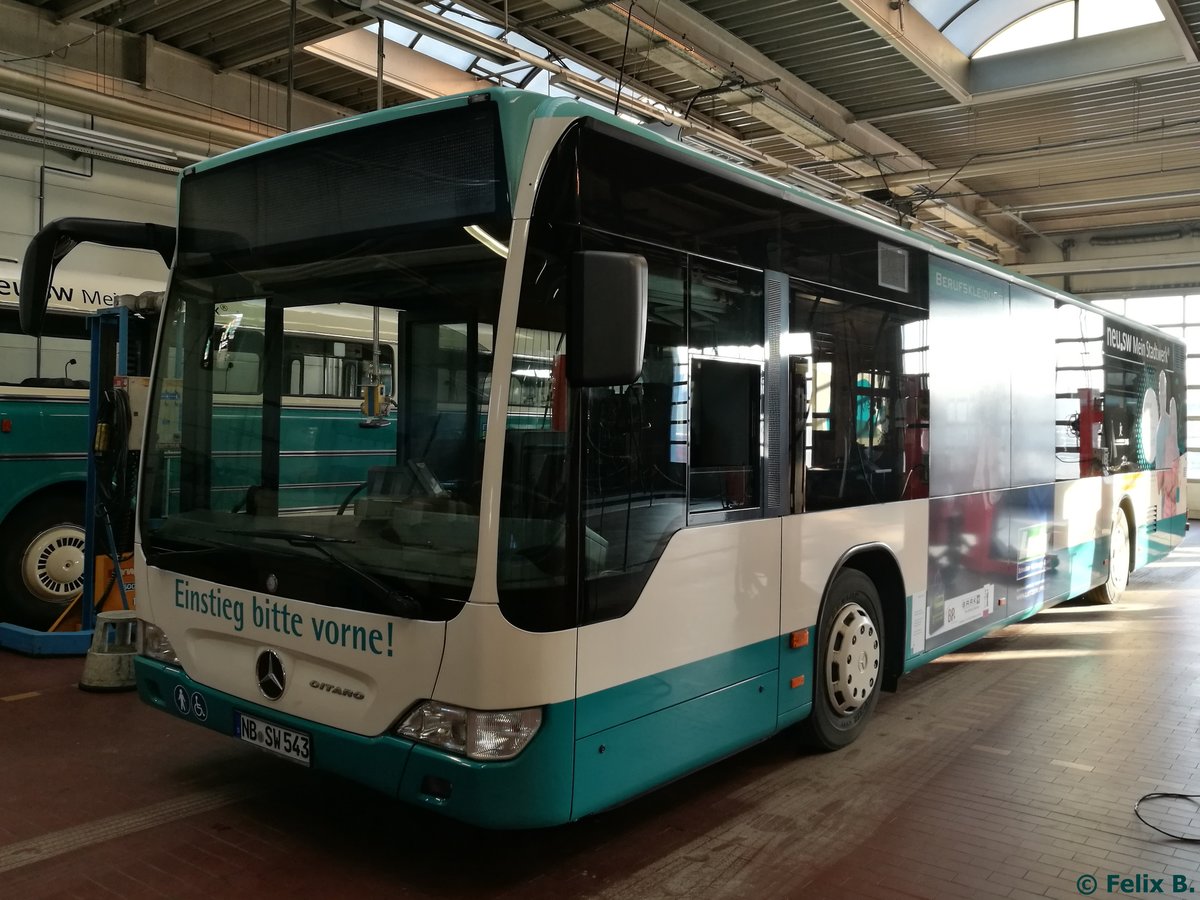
x=849, y=665
x=41, y=561
x=1120, y=553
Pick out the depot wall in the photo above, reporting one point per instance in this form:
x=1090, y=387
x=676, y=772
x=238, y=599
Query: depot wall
x=38, y=185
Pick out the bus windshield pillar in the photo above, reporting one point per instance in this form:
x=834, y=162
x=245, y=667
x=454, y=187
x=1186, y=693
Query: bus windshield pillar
x=195, y=426
x=267, y=501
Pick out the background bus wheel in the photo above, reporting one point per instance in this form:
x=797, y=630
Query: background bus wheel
x=849, y=666
x=41, y=561
x=1120, y=552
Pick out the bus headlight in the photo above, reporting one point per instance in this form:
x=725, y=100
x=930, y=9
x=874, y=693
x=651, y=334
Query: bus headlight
x=477, y=734
x=153, y=643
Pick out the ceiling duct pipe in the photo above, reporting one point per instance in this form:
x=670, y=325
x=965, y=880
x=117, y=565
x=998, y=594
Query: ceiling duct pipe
x=1150, y=237
x=130, y=112
x=90, y=152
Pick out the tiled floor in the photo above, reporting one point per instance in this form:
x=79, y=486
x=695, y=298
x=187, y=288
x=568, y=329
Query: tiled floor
x=1007, y=770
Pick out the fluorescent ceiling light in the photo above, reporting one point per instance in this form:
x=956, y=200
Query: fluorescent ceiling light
x=14, y=118
x=497, y=247
x=410, y=70
x=100, y=141
x=461, y=37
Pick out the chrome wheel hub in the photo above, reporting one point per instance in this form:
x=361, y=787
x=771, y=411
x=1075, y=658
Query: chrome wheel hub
x=1118, y=562
x=851, y=659
x=52, y=565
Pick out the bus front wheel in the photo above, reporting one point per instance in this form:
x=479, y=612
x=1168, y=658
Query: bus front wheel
x=849, y=665
x=41, y=560
x=1120, y=552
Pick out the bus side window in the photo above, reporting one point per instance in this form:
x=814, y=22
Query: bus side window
x=725, y=453
x=866, y=439
x=634, y=480
x=65, y=352
x=320, y=367
x=234, y=355
x=727, y=348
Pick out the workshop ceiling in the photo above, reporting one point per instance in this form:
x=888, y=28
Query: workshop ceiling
x=843, y=96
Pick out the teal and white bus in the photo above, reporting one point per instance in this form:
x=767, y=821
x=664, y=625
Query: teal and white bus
x=43, y=442
x=681, y=457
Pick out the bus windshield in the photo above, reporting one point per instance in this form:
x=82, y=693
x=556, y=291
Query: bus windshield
x=263, y=455
x=317, y=417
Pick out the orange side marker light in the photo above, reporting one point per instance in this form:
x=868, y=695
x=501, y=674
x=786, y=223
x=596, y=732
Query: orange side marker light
x=799, y=639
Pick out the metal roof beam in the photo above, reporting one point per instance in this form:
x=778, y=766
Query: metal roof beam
x=327, y=11
x=1109, y=264
x=1016, y=163
x=1187, y=40
x=919, y=42
x=148, y=85
x=1111, y=220
x=82, y=9
x=1119, y=191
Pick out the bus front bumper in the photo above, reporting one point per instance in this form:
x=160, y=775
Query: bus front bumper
x=533, y=790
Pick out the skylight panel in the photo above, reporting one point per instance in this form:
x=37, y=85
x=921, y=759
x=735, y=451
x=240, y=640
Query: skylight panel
x=1050, y=25
x=451, y=56
x=523, y=43
x=394, y=32
x=1067, y=20
x=457, y=14
x=1102, y=16
x=580, y=69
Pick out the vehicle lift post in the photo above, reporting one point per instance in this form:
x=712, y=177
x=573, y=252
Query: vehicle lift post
x=110, y=356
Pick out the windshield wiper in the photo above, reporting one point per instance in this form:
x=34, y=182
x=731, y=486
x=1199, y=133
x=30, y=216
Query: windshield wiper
x=296, y=538
x=403, y=605
x=155, y=554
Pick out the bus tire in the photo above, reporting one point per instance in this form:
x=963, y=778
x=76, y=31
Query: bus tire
x=849, y=662
x=41, y=560
x=1120, y=553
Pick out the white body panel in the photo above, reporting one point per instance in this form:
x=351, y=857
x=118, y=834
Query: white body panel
x=393, y=666
x=716, y=588
x=1077, y=507
x=490, y=664
x=543, y=137
x=814, y=544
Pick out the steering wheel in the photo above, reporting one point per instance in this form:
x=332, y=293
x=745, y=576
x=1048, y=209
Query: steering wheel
x=354, y=492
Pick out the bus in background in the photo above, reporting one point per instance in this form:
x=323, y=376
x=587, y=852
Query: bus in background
x=328, y=442
x=43, y=444
x=786, y=453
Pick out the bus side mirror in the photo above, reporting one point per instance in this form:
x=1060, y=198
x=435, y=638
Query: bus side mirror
x=607, y=335
x=48, y=247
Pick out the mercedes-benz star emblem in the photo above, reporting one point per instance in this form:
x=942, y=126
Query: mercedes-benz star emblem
x=269, y=672
x=272, y=583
